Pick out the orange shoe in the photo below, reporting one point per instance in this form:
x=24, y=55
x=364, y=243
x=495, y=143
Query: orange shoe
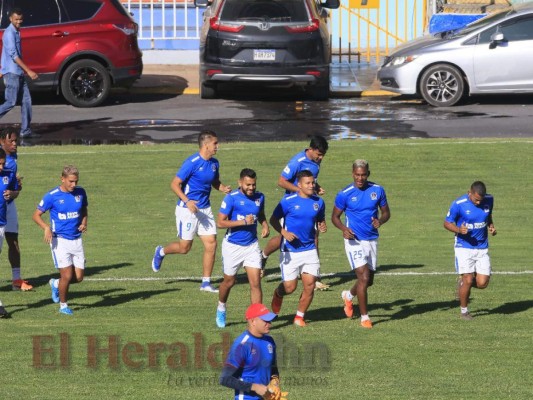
x=348, y=305
x=20, y=284
x=299, y=321
x=366, y=324
x=277, y=301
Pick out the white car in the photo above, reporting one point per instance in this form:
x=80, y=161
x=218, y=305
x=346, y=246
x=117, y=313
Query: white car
x=492, y=55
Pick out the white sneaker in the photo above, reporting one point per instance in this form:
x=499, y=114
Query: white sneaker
x=206, y=287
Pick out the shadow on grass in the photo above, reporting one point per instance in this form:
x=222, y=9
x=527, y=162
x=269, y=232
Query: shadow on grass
x=508, y=308
x=409, y=310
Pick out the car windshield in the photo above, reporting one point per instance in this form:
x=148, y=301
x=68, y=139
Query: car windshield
x=265, y=10
x=480, y=23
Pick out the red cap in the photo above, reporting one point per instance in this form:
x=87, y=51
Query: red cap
x=259, y=310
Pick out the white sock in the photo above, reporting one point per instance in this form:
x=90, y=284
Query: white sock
x=349, y=295
x=365, y=317
x=263, y=254
x=56, y=283
x=16, y=273
x=221, y=306
x=464, y=310
x=300, y=314
x=63, y=305
x=207, y=279
x=1, y=304
x=162, y=252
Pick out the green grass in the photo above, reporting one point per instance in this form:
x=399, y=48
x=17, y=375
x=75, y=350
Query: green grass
x=419, y=348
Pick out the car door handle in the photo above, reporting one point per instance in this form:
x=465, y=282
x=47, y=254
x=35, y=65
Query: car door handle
x=60, y=34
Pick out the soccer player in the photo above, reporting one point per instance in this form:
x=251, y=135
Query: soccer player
x=240, y=213
x=366, y=210
x=470, y=219
x=251, y=361
x=67, y=204
x=308, y=159
x=8, y=142
x=192, y=184
x=302, y=213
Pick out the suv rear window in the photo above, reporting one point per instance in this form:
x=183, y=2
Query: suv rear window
x=272, y=10
x=79, y=10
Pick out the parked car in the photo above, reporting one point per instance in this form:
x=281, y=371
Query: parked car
x=79, y=48
x=491, y=55
x=271, y=42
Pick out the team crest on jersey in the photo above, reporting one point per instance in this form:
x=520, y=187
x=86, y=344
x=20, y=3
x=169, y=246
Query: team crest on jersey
x=315, y=206
x=242, y=203
x=258, y=202
x=214, y=167
x=5, y=179
x=486, y=209
x=374, y=196
x=78, y=198
x=270, y=348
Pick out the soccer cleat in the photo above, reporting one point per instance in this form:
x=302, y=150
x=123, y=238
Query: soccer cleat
x=158, y=259
x=3, y=312
x=366, y=324
x=55, y=291
x=206, y=287
x=321, y=286
x=299, y=321
x=467, y=316
x=277, y=301
x=348, y=305
x=221, y=319
x=22, y=285
x=66, y=311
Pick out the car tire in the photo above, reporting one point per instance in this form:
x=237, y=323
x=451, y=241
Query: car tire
x=85, y=83
x=320, y=92
x=208, y=91
x=442, y=85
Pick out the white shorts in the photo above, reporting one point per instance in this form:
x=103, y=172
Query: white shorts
x=66, y=252
x=188, y=224
x=468, y=261
x=235, y=256
x=12, y=218
x=293, y=264
x=2, y=234
x=362, y=252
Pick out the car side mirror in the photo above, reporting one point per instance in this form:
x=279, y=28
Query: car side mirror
x=497, y=37
x=202, y=3
x=333, y=4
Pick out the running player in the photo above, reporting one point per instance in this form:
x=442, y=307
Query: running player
x=67, y=204
x=302, y=213
x=470, y=219
x=192, y=184
x=366, y=209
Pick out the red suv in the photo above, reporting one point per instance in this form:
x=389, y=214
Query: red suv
x=79, y=48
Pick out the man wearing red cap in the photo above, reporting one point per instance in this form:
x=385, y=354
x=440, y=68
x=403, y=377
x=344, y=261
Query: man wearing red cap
x=251, y=362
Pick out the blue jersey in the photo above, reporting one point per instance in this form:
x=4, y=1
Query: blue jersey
x=298, y=163
x=360, y=206
x=300, y=217
x=8, y=181
x=237, y=206
x=197, y=175
x=11, y=162
x=65, y=211
x=254, y=358
x=476, y=218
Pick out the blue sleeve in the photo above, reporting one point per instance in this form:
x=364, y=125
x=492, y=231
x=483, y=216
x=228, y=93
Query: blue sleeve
x=227, y=205
x=217, y=172
x=185, y=171
x=383, y=199
x=453, y=213
x=46, y=203
x=339, y=201
x=8, y=41
x=321, y=216
x=85, y=202
x=290, y=171
x=279, y=212
x=13, y=183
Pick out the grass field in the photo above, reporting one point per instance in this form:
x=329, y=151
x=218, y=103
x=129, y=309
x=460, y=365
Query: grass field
x=138, y=335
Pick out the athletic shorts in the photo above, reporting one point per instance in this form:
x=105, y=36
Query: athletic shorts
x=12, y=218
x=188, y=224
x=362, y=252
x=468, y=261
x=67, y=252
x=235, y=256
x=293, y=264
x=2, y=235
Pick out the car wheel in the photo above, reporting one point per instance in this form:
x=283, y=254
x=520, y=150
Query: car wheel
x=319, y=92
x=208, y=91
x=85, y=83
x=442, y=85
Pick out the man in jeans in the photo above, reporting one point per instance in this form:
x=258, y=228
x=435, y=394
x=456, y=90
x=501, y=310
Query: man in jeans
x=12, y=70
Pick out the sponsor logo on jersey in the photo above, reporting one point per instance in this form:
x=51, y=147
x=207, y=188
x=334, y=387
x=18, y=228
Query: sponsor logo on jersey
x=223, y=205
x=258, y=202
x=354, y=198
x=69, y=215
x=486, y=209
x=270, y=348
x=5, y=179
x=241, y=202
x=78, y=198
x=286, y=169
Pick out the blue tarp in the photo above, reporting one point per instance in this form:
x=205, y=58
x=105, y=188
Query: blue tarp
x=446, y=22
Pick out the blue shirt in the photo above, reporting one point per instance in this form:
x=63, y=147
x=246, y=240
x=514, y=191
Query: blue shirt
x=65, y=211
x=11, y=165
x=254, y=358
x=8, y=181
x=300, y=217
x=360, y=206
x=197, y=175
x=237, y=206
x=10, y=50
x=298, y=163
x=462, y=210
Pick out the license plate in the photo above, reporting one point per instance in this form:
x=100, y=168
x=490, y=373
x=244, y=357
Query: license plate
x=264, y=55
